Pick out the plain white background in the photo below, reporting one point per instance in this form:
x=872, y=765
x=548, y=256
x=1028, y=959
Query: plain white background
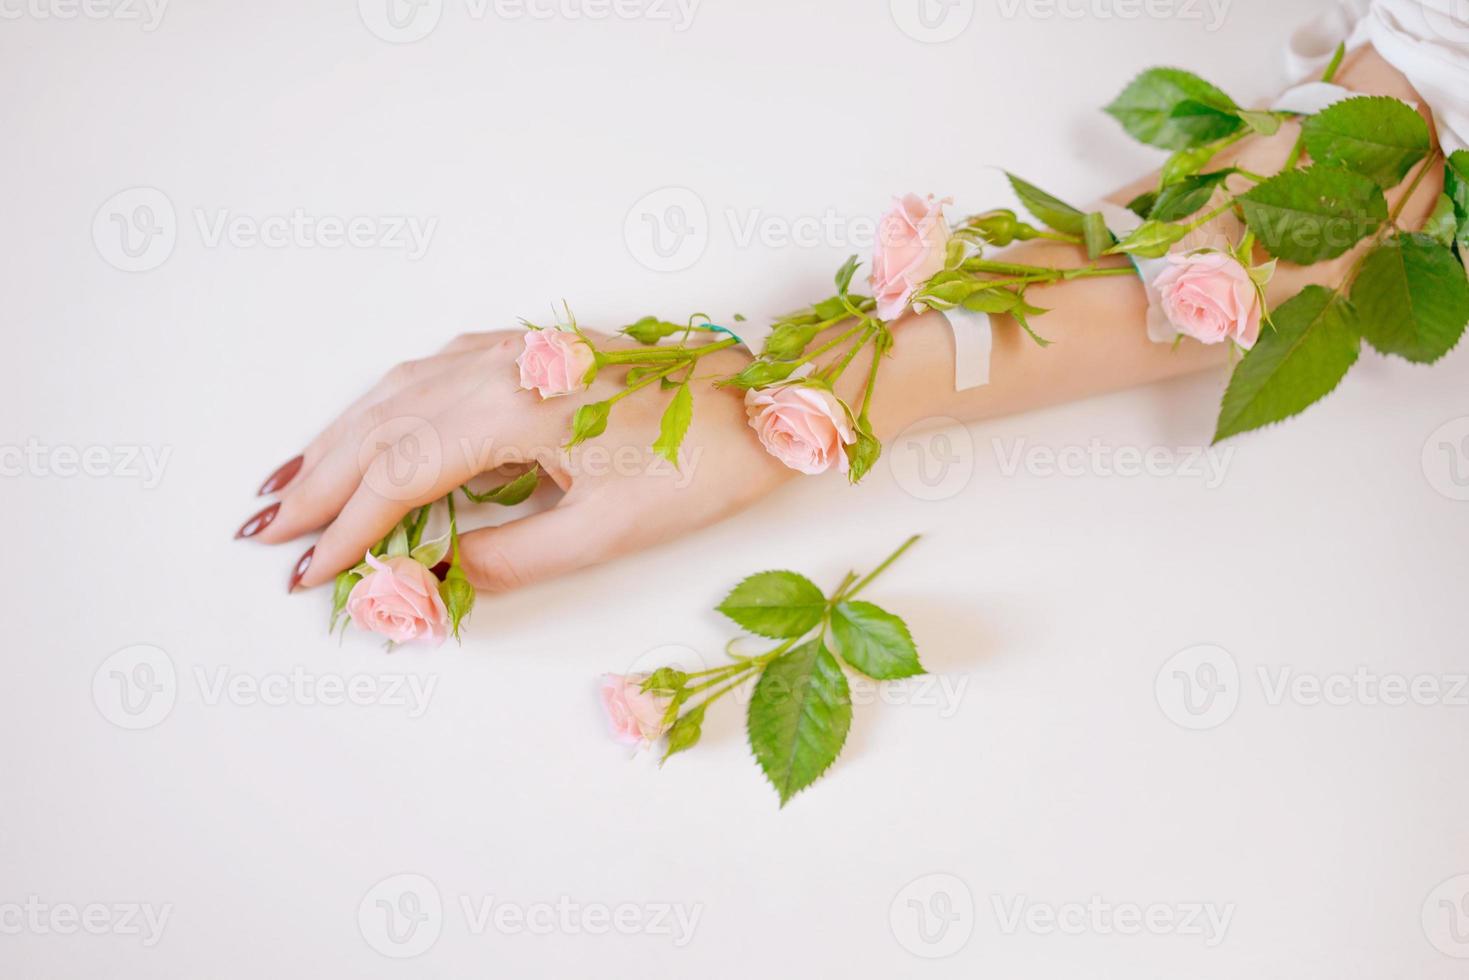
x=1076, y=619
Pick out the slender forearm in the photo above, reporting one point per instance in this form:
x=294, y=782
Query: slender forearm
x=1097, y=325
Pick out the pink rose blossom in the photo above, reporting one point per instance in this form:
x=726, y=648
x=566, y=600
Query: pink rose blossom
x=1210, y=297
x=911, y=241
x=634, y=714
x=400, y=600
x=554, y=362
x=805, y=428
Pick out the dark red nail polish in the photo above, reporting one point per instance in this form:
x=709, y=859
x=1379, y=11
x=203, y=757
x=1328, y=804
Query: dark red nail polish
x=285, y=474
x=302, y=563
x=259, y=522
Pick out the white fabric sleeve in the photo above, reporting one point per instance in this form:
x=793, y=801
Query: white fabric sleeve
x=1426, y=40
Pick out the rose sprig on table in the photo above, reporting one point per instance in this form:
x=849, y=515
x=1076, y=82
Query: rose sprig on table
x=800, y=704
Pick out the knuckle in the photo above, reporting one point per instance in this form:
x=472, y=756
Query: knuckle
x=465, y=341
x=405, y=372
x=376, y=415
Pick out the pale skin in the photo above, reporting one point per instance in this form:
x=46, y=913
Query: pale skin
x=467, y=403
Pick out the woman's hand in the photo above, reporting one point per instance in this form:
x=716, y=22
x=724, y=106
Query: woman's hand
x=431, y=425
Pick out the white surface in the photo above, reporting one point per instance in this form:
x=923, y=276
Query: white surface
x=1054, y=601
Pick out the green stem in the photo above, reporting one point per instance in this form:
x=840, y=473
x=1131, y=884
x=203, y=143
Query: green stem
x=1057, y=236
x=1038, y=273
x=656, y=354
x=1299, y=147
x=883, y=567
x=867, y=390
x=739, y=664
x=1391, y=223
x=644, y=381
x=726, y=673
x=1211, y=215
x=1397, y=211
x=420, y=521
x=453, y=534
x=835, y=371
x=842, y=338
x=1335, y=63
x=1005, y=268
x=736, y=682
x=1059, y=275
x=840, y=593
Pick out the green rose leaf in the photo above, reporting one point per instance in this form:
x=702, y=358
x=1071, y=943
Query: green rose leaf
x=845, y=273
x=779, y=605
x=1187, y=195
x=1055, y=213
x=954, y=253
x=1297, y=363
x=1095, y=234
x=998, y=300
x=1264, y=123
x=874, y=641
x=430, y=553
x=1143, y=204
x=675, y=424
x=1443, y=224
x=799, y=715
x=1174, y=109
x=1150, y=240
x=861, y=455
x=517, y=491
x=1456, y=186
x=1185, y=163
x=1412, y=298
x=589, y=422
x=830, y=308
x=1376, y=136
x=341, y=591
x=650, y=330
x=1305, y=216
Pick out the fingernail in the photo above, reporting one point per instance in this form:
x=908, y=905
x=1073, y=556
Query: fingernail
x=285, y=474
x=302, y=563
x=259, y=522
